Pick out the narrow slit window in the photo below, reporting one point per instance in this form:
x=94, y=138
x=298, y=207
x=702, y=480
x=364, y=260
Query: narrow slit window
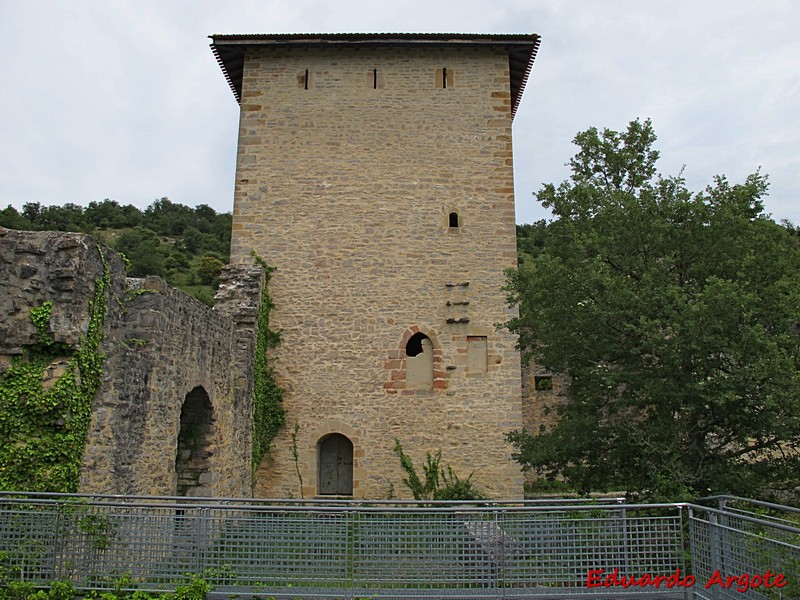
x=375, y=78
x=452, y=220
x=304, y=77
x=444, y=78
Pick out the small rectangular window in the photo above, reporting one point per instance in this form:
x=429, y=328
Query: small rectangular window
x=543, y=383
x=477, y=361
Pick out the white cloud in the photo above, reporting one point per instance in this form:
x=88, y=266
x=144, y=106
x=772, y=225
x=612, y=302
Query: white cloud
x=123, y=99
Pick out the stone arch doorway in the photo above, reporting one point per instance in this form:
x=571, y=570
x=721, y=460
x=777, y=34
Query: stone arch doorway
x=335, y=460
x=192, y=461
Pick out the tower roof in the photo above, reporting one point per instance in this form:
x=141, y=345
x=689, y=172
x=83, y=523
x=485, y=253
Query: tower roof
x=230, y=49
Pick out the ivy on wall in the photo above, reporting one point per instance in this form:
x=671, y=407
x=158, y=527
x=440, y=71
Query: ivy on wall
x=43, y=430
x=268, y=412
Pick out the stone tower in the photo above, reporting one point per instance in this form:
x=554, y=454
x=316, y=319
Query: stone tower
x=374, y=172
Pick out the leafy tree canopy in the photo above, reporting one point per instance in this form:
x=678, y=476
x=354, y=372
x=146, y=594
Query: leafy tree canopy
x=675, y=316
x=144, y=250
x=531, y=239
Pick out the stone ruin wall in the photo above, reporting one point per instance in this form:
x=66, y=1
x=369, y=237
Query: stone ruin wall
x=162, y=347
x=542, y=392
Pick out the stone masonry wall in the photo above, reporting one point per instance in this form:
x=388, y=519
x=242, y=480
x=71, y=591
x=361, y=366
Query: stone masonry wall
x=166, y=345
x=542, y=393
x=346, y=188
x=160, y=345
x=43, y=265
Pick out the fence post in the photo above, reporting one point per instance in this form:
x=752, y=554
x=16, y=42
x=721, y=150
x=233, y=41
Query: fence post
x=688, y=593
x=57, y=543
x=626, y=555
x=713, y=546
x=352, y=527
x=499, y=530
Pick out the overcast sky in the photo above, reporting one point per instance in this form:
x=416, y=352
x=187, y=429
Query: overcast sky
x=124, y=100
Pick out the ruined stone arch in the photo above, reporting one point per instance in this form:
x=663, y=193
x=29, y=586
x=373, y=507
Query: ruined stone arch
x=195, y=445
x=424, y=330
x=419, y=362
x=416, y=365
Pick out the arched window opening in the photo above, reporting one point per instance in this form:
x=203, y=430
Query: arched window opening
x=419, y=362
x=414, y=345
x=335, y=465
x=194, y=445
x=453, y=220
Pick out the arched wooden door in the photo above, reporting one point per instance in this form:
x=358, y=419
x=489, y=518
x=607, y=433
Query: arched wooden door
x=335, y=466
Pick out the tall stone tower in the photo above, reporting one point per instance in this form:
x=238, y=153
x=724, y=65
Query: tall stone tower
x=375, y=174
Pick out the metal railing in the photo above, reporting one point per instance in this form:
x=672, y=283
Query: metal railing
x=352, y=549
x=742, y=547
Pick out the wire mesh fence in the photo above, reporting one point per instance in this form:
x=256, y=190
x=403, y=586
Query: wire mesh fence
x=377, y=550
x=745, y=548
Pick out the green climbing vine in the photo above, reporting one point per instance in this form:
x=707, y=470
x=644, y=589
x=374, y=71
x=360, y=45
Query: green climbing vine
x=268, y=412
x=296, y=457
x=41, y=320
x=43, y=429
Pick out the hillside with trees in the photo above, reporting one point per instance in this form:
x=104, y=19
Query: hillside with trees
x=186, y=246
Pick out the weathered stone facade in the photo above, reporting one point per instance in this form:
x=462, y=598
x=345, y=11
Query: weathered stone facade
x=163, y=351
x=376, y=175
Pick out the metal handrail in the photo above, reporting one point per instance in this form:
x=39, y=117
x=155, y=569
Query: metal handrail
x=723, y=498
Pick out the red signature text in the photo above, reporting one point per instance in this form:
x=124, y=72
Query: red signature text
x=613, y=579
x=745, y=581
x=741, y=583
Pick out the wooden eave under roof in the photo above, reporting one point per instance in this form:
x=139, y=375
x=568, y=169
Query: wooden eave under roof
x=230, y=49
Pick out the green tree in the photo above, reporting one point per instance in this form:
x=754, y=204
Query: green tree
x=144, y=250
x=109, y=213
x=209, y=269
x=10, y=217
x=531, y=239
x=168, y=218
x=32, y=211
x=69, y=217
x=675, y=316
x=192, y=240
